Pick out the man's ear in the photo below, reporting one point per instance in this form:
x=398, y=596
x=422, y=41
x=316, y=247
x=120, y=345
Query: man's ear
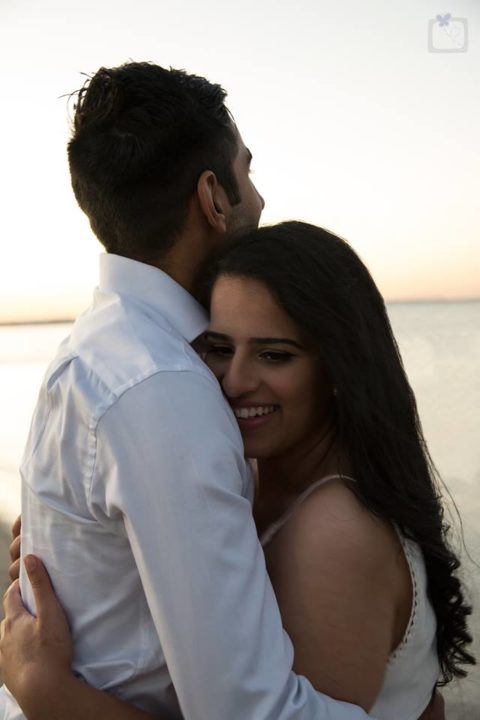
x=212, y=200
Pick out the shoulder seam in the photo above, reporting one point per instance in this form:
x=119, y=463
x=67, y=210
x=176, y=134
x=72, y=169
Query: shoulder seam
x=114, y=396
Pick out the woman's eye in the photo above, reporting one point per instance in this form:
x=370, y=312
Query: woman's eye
x=219, y=350
x=277, y=357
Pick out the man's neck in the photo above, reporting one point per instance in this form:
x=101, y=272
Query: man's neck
x=186, y=262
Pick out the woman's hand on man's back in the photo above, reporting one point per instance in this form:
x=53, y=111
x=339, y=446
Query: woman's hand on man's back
x=14, y=569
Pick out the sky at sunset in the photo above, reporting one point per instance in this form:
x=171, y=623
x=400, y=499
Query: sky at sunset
x=362, y=117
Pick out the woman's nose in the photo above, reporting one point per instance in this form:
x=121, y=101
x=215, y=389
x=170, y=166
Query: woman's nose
x=239, y=379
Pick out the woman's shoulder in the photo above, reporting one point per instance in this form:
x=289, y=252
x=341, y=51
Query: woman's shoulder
x=341, y=568
x=332, y=525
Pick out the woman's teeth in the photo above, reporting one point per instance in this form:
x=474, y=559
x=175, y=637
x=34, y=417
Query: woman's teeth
x=252, y=412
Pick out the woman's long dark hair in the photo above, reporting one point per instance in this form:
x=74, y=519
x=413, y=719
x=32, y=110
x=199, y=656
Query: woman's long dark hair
x=330, y=295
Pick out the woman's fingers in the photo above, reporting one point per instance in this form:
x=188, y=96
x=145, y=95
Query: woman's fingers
x=13, y=608
x=14, y=570
x=12, y=602
x=17, y=527
x=15, y=549
x=46, y=602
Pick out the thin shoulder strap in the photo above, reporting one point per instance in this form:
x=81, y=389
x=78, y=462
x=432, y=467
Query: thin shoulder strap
x=272, y=530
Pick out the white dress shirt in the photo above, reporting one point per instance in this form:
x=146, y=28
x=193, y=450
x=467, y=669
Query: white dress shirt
x=137, y=497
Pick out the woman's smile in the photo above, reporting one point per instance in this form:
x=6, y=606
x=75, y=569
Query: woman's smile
x=254, y=415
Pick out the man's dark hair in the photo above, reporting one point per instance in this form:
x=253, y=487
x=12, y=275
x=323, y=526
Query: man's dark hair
x=142, y=137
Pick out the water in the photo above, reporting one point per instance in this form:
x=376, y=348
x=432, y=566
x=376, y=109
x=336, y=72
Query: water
x=24, y=355
x=440, y=345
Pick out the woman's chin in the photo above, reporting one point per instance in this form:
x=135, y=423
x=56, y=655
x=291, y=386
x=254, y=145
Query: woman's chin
x=256, y=449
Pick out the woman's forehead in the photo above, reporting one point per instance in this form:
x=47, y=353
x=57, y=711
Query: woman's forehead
x=247, y=307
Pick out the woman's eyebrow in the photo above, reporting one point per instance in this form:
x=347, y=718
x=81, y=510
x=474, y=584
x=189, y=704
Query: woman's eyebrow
x=276, y=341
x=257, y=340
x=216, y=335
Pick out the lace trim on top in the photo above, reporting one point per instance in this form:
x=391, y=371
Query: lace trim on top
x=413, y=613
x=272, y=530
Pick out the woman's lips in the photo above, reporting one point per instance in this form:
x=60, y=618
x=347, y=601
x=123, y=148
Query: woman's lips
x=262, y=415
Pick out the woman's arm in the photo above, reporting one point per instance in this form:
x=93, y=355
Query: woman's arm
x=343, y=591
x=35, y=656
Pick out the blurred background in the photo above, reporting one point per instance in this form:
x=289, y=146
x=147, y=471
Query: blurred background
x=361, y=117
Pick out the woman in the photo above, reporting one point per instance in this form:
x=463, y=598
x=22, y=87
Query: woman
x=346, y=484
x=347, y=508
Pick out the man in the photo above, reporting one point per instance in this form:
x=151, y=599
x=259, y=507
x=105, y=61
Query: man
x=135, y=492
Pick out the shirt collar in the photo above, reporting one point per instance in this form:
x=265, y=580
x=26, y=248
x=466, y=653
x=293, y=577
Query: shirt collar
x=147, y=283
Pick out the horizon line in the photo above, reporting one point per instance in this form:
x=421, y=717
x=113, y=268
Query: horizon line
x=415, y=301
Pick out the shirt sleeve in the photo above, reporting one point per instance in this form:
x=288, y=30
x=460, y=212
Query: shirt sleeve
x=170, y=455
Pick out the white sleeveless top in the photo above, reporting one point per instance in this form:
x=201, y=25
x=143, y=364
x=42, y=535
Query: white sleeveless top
x=413, y=668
